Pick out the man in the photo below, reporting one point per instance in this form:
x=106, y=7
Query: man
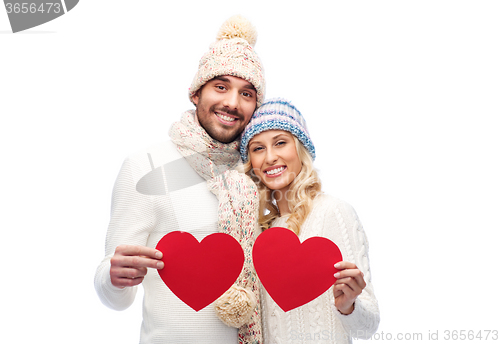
x=164, y=189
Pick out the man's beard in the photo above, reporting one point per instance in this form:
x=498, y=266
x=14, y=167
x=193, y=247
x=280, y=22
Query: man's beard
x=216, y=131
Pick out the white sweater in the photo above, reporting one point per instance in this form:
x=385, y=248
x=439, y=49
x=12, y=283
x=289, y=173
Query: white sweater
x=319, y=321
x=170, y=197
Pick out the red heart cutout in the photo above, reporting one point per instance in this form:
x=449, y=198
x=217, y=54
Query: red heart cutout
x=294, y=273
x=199, y=272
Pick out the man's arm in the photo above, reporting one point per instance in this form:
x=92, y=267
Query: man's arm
x=127, y=257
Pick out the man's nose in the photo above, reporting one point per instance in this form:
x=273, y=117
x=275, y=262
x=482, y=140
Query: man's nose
x=231, y=100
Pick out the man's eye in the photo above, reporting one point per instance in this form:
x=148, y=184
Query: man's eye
x=222, y=88
x=247, y=94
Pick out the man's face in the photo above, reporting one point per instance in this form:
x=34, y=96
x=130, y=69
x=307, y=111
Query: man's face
x=224, y=107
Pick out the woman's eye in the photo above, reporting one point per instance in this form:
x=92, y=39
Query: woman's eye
x=256, y=149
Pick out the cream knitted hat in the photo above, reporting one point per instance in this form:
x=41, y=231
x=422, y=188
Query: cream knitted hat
x=232, y=54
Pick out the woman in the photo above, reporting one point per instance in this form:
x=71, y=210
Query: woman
x=278, y=155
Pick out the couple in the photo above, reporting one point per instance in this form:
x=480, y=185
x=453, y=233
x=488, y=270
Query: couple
x=279, y=188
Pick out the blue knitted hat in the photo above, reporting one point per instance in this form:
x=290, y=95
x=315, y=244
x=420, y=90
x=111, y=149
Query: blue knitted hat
x=278, y=114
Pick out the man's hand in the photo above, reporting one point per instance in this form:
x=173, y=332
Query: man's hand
x=129, y=264
x=349, y=285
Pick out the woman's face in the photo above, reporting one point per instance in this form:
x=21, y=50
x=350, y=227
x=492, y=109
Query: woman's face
x=274, y=158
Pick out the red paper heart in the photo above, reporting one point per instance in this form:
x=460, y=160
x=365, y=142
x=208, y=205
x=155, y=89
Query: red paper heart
x=199, y=272
x=294, y=273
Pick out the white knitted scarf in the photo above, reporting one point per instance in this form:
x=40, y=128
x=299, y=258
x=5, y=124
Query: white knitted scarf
x=237, y=216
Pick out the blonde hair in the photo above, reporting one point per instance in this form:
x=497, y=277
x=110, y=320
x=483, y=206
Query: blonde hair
x=300, y=195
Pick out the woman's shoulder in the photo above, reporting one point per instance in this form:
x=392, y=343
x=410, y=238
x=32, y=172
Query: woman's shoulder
x=327, y=200
x=327, y=204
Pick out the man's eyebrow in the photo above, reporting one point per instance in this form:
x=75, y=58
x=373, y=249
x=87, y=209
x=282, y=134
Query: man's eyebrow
x=223, y=78
x=250, y=87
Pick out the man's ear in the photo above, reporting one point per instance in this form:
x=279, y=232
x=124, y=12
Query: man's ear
x=196, y=97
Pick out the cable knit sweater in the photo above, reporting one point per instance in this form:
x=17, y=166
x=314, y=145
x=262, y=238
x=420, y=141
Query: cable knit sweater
x=319, y=321
x=157, y=192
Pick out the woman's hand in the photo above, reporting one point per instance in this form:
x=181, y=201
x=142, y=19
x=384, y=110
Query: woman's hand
x=349, y=285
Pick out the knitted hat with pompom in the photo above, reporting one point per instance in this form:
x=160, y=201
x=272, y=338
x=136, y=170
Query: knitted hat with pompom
x=232, y=54
x=278, y=114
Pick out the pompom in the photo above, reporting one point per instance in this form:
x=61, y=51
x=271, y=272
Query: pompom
x=236, y=306
x=238, y=26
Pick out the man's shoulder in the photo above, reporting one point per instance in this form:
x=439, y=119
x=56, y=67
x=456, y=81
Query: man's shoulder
x=161, y=165
x=156, y=154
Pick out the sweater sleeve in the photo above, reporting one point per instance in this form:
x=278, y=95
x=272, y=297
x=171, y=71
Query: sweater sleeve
x=364, y=320
x=131, y=222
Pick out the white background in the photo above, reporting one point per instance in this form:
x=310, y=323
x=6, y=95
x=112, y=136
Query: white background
x=402, y=101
